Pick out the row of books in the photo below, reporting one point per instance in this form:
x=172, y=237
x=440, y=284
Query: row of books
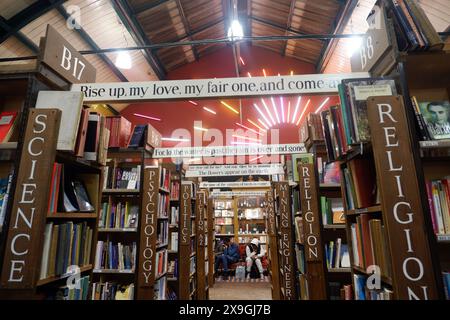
x=115, y=256
x=223, y=213
x=163, y=205
x=126, y=177
x=5, y=188
x=120, y=129
x=174, y=215
x=224, y=229
x=362, y=292
x=8, y=122
x=413, y=29
x=68, y=192
x=161, y=263
x=332, y=210
x=446, y=282
x=173, y=244
x=65, y=245
x=439, y=201
x=172, y=268
x=336, y=254
x=77, y=291
x=224, y=221
x=112, y=291
x=174, y=190
x=164, y=178
x=118, y=215
x=84, y=132
x=311, y=130
x=163, y=233
x=370, y=244
x=432, y=118
x=298, y=223
x=160, y=289
x=361, y=189
x=300, y=256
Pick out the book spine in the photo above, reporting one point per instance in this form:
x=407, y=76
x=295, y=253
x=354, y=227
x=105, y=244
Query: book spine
x=403, y=22
x=420, y=41
x=420, y=121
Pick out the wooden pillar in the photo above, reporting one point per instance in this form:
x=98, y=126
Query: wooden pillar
x=273, y=246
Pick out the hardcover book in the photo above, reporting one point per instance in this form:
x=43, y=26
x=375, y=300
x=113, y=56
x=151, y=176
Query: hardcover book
x=437, y=118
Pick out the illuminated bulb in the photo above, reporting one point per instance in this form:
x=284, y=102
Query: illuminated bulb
x=249, y=75
x=282, y=108
x=146, y=117
x=352, y=44
x=242, y=61
x=194, y=159
x=292, y=72
x=289, y=111
x=229, y=107
x=235, y=32
x=192, y=102
x=247, y=128
x=264, y=125
x=264, y=73
x=123, y=60
x=254, y=159
x=200, y=128
x=175, y=139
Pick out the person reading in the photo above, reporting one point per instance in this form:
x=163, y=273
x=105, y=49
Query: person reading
x=254, y=254
x=229, y=255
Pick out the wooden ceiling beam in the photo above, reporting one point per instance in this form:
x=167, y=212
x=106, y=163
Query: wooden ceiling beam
x=148, y=6
x=341, y=21
x=85, y=36
x=187, y=28
x=288, y=24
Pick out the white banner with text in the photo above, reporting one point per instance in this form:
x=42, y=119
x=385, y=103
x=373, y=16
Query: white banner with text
x=228, y=151
x=235, y=184
x=234, y=170
x=209, y=88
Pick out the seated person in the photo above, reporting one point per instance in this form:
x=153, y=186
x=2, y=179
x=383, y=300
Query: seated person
x=254, y=254
x=229, y=255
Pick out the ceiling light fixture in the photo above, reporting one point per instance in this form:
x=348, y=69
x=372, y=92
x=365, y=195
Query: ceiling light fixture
x=242, y=61
x=249, y=75
x=123, y=60
x=282, y=109
x=193, y=102
x=254, y=159
x=209, y=110
x=264, y=73
x=146, y=117
x=352, y=45
x=235, y=31
x=229, y=107
x=289, y=111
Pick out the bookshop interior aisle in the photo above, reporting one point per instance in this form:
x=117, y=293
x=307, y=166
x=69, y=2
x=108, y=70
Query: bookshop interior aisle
x=304, y=155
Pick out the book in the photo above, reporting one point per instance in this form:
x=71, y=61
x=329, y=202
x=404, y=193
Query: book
x=92, y=137
x=5, y=188
x=436, y=116
x=71, y=104
x=46, y=250
x=359, y=90
x=137, y=139
x=7, y=125
x=120, y=131
x=82, y=131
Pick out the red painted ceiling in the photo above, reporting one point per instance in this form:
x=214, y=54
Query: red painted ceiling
x=220, y=64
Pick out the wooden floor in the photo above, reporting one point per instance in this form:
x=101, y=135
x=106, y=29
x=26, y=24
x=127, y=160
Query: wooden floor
x=240, y=291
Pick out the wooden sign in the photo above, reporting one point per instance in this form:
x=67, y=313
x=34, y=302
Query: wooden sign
x=26, y=230
x=310, y=211
x=185, y=214
x=148, y=233
x=63, y=58
x=413, y=274
x=374, y=44
x=153, y=137
x=271, y=224
x=286, y=243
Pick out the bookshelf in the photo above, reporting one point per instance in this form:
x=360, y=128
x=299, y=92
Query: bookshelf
x=120, y=220
x=272, y=248
x=225, y=218
x=251, y=219
x=285, y=239
x=64, y=231
x=187, y=242
x=384, y=169
x=211, y=241
x=19, y=86
x=201, y=214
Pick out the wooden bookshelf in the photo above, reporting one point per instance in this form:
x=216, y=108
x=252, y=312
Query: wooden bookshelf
x=125, y=234
x=372, y=209
x=48, y=280
x=72, y=215
x=201, y=213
